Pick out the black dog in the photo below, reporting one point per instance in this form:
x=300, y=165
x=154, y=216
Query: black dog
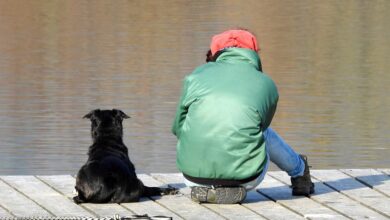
x=109, y=176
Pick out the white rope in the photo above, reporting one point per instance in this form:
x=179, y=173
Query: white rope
x=115, y=217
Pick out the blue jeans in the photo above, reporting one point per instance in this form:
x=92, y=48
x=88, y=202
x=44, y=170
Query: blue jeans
x=280, y=153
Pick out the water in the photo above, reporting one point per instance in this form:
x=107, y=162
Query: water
x=61, y=59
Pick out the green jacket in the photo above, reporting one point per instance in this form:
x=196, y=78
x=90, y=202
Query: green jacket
x=224, y=108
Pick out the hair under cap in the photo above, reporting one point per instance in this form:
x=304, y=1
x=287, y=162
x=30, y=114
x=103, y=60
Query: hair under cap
x=233, y=38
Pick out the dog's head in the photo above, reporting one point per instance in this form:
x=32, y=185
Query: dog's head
x=106, y=123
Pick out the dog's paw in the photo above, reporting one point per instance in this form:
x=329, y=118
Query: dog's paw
x=77, y=200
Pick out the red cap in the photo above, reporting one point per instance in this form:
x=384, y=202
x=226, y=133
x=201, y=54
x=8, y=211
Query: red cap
x=233, y=38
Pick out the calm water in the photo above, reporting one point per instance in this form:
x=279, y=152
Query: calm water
x=60, y=59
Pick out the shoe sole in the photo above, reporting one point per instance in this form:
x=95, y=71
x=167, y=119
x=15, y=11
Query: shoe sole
x=220, y=195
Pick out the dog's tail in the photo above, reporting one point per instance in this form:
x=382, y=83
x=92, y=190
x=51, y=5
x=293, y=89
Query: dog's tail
x=157, y=191
x=152, y=191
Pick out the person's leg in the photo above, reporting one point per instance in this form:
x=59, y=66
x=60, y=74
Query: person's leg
x=282, y=154
x=288, y=160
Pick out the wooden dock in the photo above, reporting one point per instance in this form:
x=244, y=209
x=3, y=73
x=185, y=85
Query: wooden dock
x=340, y=194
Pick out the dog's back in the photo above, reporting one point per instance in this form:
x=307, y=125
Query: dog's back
x=109, y=180
x=109, y=176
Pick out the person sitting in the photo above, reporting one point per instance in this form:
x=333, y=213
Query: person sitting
x=222, y=125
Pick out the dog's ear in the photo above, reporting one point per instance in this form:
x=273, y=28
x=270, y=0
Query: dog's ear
x=120, y=114
x=91, y=113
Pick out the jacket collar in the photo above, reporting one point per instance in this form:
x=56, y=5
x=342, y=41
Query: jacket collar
x=236, y=55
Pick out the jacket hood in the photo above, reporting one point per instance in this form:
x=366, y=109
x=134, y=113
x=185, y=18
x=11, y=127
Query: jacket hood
x=236, y=55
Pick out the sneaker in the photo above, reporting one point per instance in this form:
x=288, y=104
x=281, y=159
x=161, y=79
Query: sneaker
x=218, y=195
x=302, y=185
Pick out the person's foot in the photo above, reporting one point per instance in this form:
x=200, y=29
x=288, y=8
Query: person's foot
x=219, y=195
x=302, y=185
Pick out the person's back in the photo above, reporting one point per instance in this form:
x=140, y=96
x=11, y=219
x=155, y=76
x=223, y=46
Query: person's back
x=229, y=103
x=222, y=125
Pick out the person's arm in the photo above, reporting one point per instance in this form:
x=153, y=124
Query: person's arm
x=271, y=101
x=181, y=111
x=270, y=113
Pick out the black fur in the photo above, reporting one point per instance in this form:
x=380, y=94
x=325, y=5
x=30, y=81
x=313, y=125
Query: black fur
x=109, y=176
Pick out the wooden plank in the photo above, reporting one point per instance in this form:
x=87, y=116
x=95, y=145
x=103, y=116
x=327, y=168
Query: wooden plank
x=234, y=211
x=45, y=196
x=148, y=206
x=268, y=208
x=385, y=171
x=4, y=213
x=339, y=195
x=174, y=180
x=64, y=184
x=151, y=208
x=107, y=210
x=372, y=178
x=180, y=204
x=337, y=201
x=228, y=211
x=306, y=207
x=354, y=189
x=18, y=204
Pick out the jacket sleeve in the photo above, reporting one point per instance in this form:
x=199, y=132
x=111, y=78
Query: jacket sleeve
x=181, y=111
x=270, y=114
x=271, y=102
